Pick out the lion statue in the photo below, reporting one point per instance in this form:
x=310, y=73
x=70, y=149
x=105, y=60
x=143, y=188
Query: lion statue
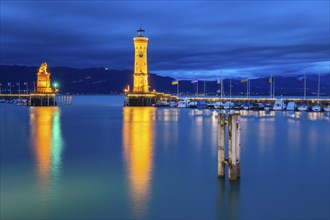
x=43, y=68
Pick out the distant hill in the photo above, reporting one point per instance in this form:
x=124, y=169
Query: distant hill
x=102, y=81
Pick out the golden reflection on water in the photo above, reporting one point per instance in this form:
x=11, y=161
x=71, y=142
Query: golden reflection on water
x=46, y=138
x=138, y=138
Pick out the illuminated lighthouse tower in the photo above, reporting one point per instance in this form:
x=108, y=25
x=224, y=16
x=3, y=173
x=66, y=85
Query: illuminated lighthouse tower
x=140, y=63
x=141, y=96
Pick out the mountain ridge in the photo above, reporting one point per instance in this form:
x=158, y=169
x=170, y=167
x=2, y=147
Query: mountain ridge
x=101, y=80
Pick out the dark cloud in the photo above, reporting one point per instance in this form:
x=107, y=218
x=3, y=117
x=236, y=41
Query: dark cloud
x=187, y=39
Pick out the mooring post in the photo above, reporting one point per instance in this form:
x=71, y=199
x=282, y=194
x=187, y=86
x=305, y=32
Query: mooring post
x=221, y=144
x=238, y=144
x=232, y=146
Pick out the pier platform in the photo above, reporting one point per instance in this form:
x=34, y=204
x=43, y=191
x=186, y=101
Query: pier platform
x=145, y=99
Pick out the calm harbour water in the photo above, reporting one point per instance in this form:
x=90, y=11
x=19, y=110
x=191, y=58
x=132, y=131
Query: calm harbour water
x=98, y=160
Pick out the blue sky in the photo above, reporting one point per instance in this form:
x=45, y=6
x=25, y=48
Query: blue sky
x=187, y=39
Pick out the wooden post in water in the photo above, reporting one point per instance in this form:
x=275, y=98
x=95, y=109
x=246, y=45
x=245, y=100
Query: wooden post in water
x=234, y=145
x=221, y=144
x=238, y=144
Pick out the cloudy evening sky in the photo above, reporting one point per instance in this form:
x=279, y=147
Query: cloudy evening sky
x=187, y=39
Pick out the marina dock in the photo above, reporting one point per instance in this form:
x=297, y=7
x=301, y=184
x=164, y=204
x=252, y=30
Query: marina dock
x=244, y=100
x=37, y=99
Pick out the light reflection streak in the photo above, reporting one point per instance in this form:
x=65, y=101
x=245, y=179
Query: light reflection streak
x=167, y=115
x=315, y=116
x=214, y=124
x=46, y=138
x=47, y=143
x=169, y=118
x=197, y=121
x=293, y=132
x=138, y=139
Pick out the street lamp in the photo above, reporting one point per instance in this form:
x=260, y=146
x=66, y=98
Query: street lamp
x=55, y=85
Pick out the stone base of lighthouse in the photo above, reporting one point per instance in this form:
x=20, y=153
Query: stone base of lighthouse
x=145, y=99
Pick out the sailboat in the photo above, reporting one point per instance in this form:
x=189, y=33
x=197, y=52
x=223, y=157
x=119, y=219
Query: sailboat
x=303, y=106
x=317, y=107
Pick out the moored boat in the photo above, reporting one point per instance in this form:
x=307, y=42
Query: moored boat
x=268, y=106
x=228, y=105
x=218, y=105
x=302, y=107
x=210, y=105
x=291, y=106
x=237, y=106
x=162, y=104
x=247, y=106
x=183, y=103
x=21, y=102
x=201, y=105
x=278, y=105
x=326, y=108
x=258, y=106
x=173, y=104
x=316, y=108
x=192, y=105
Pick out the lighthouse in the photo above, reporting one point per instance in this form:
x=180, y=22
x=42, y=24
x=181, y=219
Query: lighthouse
x=141, y=94
x=141, y=84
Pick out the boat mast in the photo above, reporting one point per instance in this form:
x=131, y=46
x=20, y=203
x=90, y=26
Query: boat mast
x=271, y=85
x=247, y=89
x=318, y=88
x=305, y=86
x=274, y=88
x=204, y=88
x=221, y=90
x=230, y=89
x=220, y=84
x=197, y=88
